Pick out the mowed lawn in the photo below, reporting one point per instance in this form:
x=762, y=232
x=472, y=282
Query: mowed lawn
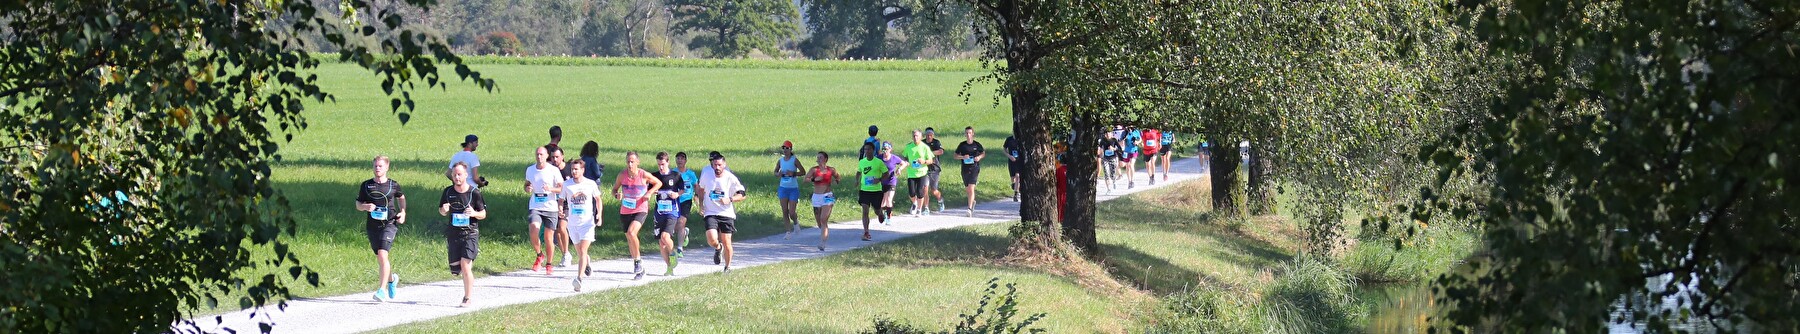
x=1155, y=243
x=744, y=113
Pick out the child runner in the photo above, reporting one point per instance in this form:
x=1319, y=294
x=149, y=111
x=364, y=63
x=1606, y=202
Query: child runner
x=543, y=181
x=724, y=192
x=788, y=171
x=823, y=177
x=466, y=209
x=871, y=172
x=633, y=206
x=386, y=204
x=668, y=216
x=583, y=210
x=970, y=153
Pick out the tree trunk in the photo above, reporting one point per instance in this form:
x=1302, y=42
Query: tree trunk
x=1037, y=183
x=1078, y=224
x=1261, y=185
x=1224, y=168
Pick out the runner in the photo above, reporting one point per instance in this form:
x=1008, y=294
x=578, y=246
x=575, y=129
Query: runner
x=633, y=206
x=386, y=204
x=872, y=172
x=467, y=156
x=935, y=168
x=872, y=140
x=688, y=179
x=918, y=157
x=1169, y=151
x=463, y=203
x=668, y=217
x=543, y=182
x=721, y=208
x=788, y=170
x=555, y=135
x=583, y=210
x=970, y=152
x=561, y=233
x=1013, y=164
x=1152, y=147
x=1132, y=141
x=895, y=165
x=590, y=158
x=823, y=177
x=1109, y=160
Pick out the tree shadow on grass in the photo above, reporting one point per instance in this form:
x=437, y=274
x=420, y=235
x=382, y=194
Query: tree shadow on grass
x=958, y=246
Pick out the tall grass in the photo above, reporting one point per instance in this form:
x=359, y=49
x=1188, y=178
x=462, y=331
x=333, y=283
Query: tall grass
x=1309, y=296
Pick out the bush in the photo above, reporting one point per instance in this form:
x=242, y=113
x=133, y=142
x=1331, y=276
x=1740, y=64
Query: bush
x=499, y=43
x=1310, y=296
x=1000, y=320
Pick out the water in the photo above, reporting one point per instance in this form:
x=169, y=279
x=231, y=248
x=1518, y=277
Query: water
x=1407, y=309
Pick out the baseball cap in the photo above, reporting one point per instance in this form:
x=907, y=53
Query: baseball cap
x=470, y=139
x=714, y=156
x=887, y=145
x=787, y=144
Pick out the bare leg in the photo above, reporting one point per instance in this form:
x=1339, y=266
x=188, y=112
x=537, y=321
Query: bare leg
x=631, y=238
x=468, y=279
x=726, y=241
x=382, y=257
x=583, y=249
x=537, y=245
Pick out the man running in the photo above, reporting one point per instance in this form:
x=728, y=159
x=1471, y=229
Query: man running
x=970, y=153
x=724, y=192
x=668, y=216
x=583, y=210
x=463, y=203
x=1152, y=148
x=823, y=177
x=871, y=173
x=1013, y=164
x=788, y=171
x=1109, y=159
x=935, y=169
x=386, y=204
x=634, y=206
x=918, y=157
x=544, y=182
x=686, y=207
x=895, y=167
x=1169, y=151
x=561, y=233
x=467, y=156
x=873, y=130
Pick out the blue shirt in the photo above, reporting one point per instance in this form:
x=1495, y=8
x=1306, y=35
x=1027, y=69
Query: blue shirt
x=1131, y=139
x=687, y=190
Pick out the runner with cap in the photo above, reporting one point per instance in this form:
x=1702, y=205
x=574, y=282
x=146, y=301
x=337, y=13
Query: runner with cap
x=724, y=191
x=467, y=157
x=788, y=171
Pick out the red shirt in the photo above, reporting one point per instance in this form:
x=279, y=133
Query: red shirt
x=1152, y=141
x=1062, y=191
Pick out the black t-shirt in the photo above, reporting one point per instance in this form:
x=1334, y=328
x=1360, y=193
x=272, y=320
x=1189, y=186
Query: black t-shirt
x=970, y=150
x=1111, y=148
x=671, y=181
x=935, y=146
x=1012, y=147
x=460, y=200
x=385, y=196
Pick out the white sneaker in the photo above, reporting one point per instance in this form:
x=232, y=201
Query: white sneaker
x=565, y=259
x=576, y=282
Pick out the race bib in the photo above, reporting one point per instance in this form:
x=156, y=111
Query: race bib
x=869, y=180
x=380, y=213
x=969, y=161
x=578, y=211
x=716, y=196
x=787, y=179
x=630, y=203
x=917, y=165
x=830, y=199
x=1014, y=154
x=540, y=198
x=459, y=220
x=665, y=206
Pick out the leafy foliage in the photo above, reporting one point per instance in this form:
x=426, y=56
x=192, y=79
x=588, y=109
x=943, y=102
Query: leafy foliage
x=732, y=28
x=137, y=138
x=1638, y=167
x=499, y=43
x=1005, y=307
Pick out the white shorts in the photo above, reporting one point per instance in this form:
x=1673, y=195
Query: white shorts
x=821, y=200
x=581, y=231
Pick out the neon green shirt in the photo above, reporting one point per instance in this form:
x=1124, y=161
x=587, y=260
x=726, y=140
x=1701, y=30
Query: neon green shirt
x=872, y=170
x=916, y=156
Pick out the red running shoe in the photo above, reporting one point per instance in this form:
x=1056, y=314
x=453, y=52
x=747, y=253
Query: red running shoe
x=539, y=264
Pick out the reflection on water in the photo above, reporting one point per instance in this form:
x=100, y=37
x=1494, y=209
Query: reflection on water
x=1407, y=308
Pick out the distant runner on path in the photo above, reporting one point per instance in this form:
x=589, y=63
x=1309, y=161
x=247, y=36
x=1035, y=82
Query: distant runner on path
x=970, y=153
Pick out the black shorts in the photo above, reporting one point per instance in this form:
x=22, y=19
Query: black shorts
x=931, y=179
x=625, y=220
x=1150, y=156
x=682, y=209
x=915, y=187
x=869, y=198
x=887, y=187
x=723, y=224
x=971, y=174
x=381, y=235
x=1014, y=167
x=667, y=224
x=464, y=243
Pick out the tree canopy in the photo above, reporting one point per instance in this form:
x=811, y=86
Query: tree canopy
x=136, y=138
x=733, y=28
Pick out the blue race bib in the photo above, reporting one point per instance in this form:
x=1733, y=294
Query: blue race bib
x=830, y=199
x=716, y=195
x=540, y=198
x=665, y=206
x=630, y=203
x=969, y=161
x=459, y=220
x=578, y=211
x=380, y=213
x=916, y=164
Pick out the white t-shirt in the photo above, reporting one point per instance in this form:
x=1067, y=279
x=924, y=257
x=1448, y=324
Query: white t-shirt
x=540, y=197
x=718, y=194
x=468, y=158
x=583, y=197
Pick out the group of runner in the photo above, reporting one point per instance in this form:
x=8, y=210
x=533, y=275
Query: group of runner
x=1121, y=149
x=565, y=199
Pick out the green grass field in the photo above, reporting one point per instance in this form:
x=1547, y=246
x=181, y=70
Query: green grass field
x=743, y=112
x=1156, y=243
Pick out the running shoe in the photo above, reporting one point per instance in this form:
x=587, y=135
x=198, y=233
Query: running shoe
x=576, y=282
x=547, y=271
x=971, y=213
x=940, y=205
x=565, y=259
x=379, y=297
x=589, y=271
x=679, y=253
x=637, y=271
x=393, y=282
x=539, y=264
x=727, y=270
x=671, y=271
x=717, y=259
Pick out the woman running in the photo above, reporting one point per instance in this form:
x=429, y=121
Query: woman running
x=634, y=206
x=823, y=177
